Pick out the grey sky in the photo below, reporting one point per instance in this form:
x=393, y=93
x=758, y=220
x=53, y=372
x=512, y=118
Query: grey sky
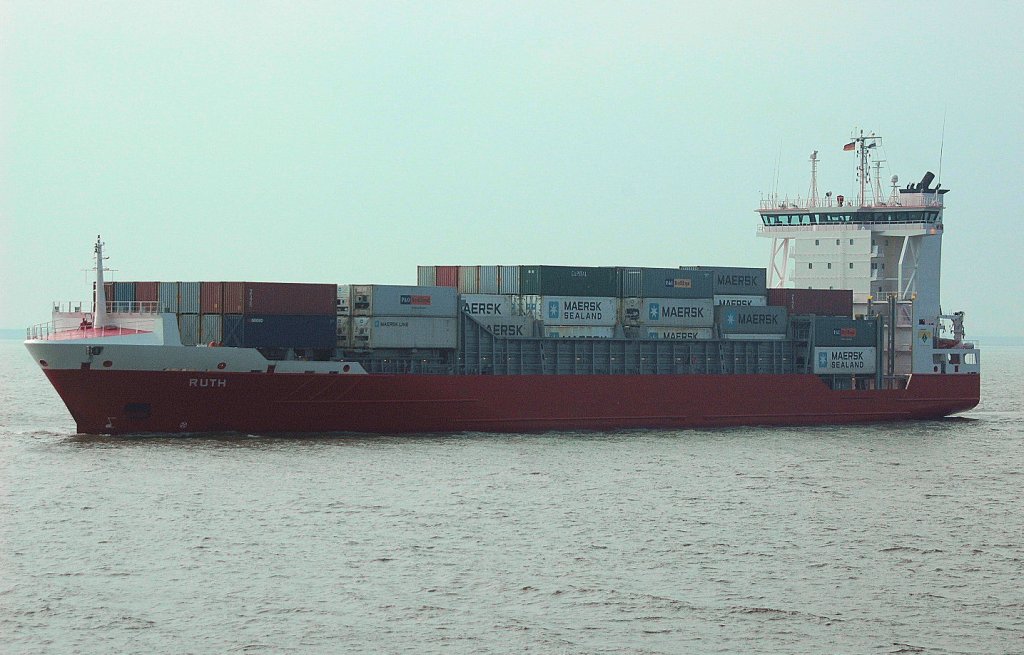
x=337, y=142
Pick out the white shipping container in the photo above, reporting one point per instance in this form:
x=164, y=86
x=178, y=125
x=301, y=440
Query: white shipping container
x=741, y=301
x=680, y=334
x=485, y=304
x=400, y=300
x=508, y=326
x=579, y=331
x=677, y=312
x=404, y=332
x=841, y=361
x=573, y=310
x=344, y=299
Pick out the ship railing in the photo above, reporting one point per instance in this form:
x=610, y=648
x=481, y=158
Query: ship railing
x=909, y=200
x=63, y=329
x=134, y=307
x=844, y=227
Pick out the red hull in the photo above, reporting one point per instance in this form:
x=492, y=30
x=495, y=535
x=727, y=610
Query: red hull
x=118, y=402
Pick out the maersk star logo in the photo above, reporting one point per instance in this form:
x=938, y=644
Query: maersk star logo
x=653, y=311
x=730, y=318
x=823, y=360
x=552, y=309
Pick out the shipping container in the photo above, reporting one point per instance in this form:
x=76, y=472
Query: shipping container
x=479, y=304
x=344, y=331
x=841, y=331
x=733, y=320
x=400, y=300
x=509, y=326
x=741, y=301
x=664, y=283
x=488, y=276
x=188, y=297
x=469, y=279
x=404, y=332
x=211, y=297
x=344, y=306
x=211, y=328
x=844, y=361
x=572, y=310
x=426, y=276
x=231, y=330
x=734, y=280
x=579, y=331
x=599, y=281
x=290, y=298
x=760, y=336
x=679, y=334
x=146, y=291
x=188, y=328
x=233, y=297
x=508, y=280
x=822, y=302
x=167, y=296
x=124, y=296
x=447, y=276
x=313, y=331
x=669, y=312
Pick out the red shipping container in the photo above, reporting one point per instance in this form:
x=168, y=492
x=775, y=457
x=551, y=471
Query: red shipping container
x=146, y=291
x=447, y=276
x=289, y=298
x=234, y=297
x=821, y=302
x=211, y=296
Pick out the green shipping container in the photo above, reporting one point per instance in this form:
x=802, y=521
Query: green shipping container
x=568, y=281
x=833, y=331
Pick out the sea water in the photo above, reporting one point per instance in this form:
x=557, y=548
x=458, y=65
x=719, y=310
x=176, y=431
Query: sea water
x=881, y=538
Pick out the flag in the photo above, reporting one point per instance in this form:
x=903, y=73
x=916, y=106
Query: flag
x=850, y=145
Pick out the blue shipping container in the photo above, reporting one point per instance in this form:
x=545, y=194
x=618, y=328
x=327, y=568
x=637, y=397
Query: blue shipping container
x=288, y=331
x=231, y=331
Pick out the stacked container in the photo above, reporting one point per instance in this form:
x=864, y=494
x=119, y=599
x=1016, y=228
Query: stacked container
x=500, y=314
x=394, y=316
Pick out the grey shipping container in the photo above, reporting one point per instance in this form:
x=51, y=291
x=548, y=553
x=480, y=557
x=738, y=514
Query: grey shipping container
x=678, y=333
x=469, y=279
x=579, y=331
x=426, y=276
x=508, y=326
x=404, y=332
x=188, y=328
x=734, y=280
x=167, y=297
x=188, y=297
x=211, y=328
x=398, y=300
x=479, y=304
x=488, y=279
x=568, y=280
x=748, y=301
x=508, y=279
x=664, y=283
x=841, y=331
x=735, y=320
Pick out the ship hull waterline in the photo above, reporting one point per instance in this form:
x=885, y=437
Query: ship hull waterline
x=138, y=402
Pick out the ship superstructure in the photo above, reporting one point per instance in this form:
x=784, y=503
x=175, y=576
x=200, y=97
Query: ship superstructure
x=887, y=249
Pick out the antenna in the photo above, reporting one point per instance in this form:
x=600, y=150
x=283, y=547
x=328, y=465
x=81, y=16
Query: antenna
x=812, y=195
x=942, y=143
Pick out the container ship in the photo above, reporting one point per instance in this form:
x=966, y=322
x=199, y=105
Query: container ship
x=843, y=326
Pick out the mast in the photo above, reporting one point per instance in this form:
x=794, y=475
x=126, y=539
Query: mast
x=863, y=144
x=99, y=320
x=812, y=195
